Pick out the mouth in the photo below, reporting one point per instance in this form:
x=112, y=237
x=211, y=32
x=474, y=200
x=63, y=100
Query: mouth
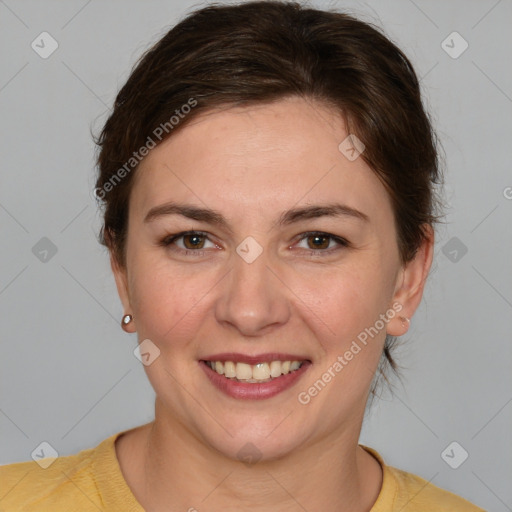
x=254, y=377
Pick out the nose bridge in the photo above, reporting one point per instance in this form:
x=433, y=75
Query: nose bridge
x=252, y=297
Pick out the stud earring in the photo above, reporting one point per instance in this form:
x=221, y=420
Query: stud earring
x=126, y=321
x=405, y=319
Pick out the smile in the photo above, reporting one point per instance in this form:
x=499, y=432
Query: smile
x=256, y=381
x=254, y=373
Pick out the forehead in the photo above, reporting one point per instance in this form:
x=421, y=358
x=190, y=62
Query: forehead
x=259, y=160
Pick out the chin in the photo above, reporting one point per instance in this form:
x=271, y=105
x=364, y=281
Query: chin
x=250, y=447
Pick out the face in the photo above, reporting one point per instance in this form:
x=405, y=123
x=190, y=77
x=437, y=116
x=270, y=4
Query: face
x=289, y=253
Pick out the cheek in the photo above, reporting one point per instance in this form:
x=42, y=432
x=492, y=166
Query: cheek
x=345, y=299
x=166, y=302
x=349, y=300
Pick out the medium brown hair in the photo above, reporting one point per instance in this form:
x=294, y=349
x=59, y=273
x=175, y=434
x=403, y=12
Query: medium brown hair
x=263, y=51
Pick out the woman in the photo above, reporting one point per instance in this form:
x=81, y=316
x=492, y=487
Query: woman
x=268, y=179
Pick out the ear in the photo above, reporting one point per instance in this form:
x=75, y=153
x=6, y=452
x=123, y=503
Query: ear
x=411, y=283
x=121, y=279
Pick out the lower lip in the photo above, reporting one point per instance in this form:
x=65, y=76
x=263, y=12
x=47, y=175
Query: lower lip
x=254, y=391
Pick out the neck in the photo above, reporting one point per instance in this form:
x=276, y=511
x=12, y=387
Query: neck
x=176, y=468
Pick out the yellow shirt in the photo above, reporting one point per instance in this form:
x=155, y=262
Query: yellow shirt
x=92, y=480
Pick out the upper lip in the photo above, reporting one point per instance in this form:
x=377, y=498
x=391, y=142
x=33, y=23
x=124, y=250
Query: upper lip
x=254, y=359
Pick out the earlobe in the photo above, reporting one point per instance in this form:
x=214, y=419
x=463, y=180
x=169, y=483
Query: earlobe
x=398, y=325
x=411, y=283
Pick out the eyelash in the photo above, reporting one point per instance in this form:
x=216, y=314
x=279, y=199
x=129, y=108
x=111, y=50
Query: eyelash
x=170, y=239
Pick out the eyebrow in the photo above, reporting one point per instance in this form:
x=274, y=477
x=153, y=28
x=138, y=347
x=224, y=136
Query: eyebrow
x=286, y=218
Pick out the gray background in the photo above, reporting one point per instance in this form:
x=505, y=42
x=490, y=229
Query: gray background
x=68, y=373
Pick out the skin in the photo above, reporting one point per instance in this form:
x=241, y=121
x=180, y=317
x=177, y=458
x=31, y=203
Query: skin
x=250, y=164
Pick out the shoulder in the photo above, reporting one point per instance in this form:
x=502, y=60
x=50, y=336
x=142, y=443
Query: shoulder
x=420, y=495
x=411, y=493
x=60, y=484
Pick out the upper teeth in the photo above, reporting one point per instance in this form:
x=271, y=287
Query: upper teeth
x=254, y=372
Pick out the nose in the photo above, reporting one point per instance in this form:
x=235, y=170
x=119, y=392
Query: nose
x=253, y=300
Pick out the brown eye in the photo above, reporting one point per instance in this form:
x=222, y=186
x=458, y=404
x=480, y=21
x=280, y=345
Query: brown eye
x=318, y=241
x=193, y=241
x=188, y=241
